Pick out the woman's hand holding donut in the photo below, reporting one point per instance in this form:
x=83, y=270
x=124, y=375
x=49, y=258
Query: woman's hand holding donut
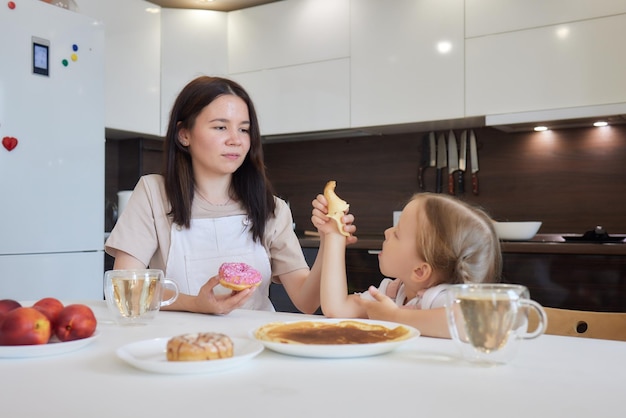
x=208, y=302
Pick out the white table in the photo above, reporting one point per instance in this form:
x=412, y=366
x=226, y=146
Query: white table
x=550, y=377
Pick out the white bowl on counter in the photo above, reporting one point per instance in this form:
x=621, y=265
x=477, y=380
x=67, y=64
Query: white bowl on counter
x=517, y=231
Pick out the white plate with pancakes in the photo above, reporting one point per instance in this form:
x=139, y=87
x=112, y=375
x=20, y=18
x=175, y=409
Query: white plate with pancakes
x=334, y=338
x=150, y=356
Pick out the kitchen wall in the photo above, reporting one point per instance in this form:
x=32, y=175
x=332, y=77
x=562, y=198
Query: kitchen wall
x=571, y=179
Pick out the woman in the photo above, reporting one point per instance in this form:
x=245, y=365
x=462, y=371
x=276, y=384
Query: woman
x=214, y=204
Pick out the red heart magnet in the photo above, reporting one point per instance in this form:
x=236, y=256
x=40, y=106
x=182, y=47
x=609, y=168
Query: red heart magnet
x=9, y=143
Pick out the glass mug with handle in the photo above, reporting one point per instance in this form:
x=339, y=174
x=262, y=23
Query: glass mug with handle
x=135, y=296
x=489, y=320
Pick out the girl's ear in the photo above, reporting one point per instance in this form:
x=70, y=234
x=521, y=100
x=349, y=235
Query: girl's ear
x=422, y=272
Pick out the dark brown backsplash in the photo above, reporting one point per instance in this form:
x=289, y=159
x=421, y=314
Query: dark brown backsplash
x=570, y=179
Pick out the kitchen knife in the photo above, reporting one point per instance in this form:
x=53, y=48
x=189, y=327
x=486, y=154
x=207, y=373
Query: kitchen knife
x=428, y=157
x=474, y=162
x=453, y=160
x=442, y=160
x=462, y=161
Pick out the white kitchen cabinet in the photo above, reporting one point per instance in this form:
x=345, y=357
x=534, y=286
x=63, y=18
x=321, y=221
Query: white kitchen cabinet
x=288, y=33
x=398, y=74
x=485, y=17
x=200, y=49
x=132, y=62
x=560, y=66
x=300, y=98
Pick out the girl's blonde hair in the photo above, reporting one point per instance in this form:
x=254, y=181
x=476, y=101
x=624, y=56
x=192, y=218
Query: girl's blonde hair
x=458, y=240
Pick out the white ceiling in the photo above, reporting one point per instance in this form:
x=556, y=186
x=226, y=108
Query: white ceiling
x=217, y=5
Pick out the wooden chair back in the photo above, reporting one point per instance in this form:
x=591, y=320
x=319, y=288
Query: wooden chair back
x=587, y=324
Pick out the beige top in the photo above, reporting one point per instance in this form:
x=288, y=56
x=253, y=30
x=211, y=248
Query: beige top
x=143, y=229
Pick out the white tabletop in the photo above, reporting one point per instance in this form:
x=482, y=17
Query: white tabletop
x=550, y=377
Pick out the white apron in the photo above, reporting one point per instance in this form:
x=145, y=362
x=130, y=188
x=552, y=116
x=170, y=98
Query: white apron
x=197, y=253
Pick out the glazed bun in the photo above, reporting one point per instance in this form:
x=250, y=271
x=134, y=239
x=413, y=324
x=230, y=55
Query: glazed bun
x=238, y=276
x=336, y=206
x=199, y=347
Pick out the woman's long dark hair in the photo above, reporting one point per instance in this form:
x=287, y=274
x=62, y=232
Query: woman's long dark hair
x=249, y=183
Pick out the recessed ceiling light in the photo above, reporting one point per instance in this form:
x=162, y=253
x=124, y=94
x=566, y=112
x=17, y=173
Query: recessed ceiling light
x=444, y=47
x=541, y=128
x=600, y=123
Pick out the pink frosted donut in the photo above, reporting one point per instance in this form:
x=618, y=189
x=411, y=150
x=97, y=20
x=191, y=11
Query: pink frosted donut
x=238, y=276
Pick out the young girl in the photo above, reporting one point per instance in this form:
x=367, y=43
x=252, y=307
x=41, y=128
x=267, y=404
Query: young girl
x=214, y=204
x=439, y=240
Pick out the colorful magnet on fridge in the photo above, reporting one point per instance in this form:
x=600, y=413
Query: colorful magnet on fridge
x=64, y=62
x=9, y=143
x=74, y=57
x=74, y=47
x=11, y=5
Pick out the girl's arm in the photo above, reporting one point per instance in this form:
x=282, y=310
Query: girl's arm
x=334, y=296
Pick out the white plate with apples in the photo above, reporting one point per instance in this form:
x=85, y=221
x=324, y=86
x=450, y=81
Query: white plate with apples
x=45, y=328
x=53, y=347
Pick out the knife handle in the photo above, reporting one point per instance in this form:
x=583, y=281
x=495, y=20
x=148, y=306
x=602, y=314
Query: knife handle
x=474, y=183
x=439, y=180
x=461, y=186
x=420, y=177
x=451, y=183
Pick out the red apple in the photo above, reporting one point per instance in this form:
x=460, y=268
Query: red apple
x=75, y=322
x=24, y=326
x=51, y=308
x=7, y=305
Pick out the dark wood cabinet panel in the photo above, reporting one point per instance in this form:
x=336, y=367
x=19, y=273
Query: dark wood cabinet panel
x=585, y=282
x=126, y=161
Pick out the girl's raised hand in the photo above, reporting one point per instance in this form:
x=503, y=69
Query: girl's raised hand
x=325, y=225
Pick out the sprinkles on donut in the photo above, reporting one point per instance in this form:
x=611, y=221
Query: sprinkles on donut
x=238, y=276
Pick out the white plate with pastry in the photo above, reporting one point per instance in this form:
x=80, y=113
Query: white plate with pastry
x=334, y=338
x=150, y=356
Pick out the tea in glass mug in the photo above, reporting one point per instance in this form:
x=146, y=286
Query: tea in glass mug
x=134, y=296
x=487, y=321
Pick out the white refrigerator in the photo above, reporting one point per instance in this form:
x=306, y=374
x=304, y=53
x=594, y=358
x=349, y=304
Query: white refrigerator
x=52, y=153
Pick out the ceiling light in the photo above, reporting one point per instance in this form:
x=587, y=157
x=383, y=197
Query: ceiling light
x=444, y=47
x=541, y=128
x=600, y=123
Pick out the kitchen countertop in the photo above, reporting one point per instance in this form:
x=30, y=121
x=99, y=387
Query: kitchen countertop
x=540, y=244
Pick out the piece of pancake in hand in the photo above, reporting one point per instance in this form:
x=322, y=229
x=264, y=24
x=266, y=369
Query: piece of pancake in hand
x=337, y=207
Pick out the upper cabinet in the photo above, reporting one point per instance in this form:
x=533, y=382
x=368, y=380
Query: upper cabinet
x=132, y=63
x=487, y=17
x=200, y=49
x=406, y=61
x=293, y=59
x=302, y=98
x=287, y=33
x=566, y=65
